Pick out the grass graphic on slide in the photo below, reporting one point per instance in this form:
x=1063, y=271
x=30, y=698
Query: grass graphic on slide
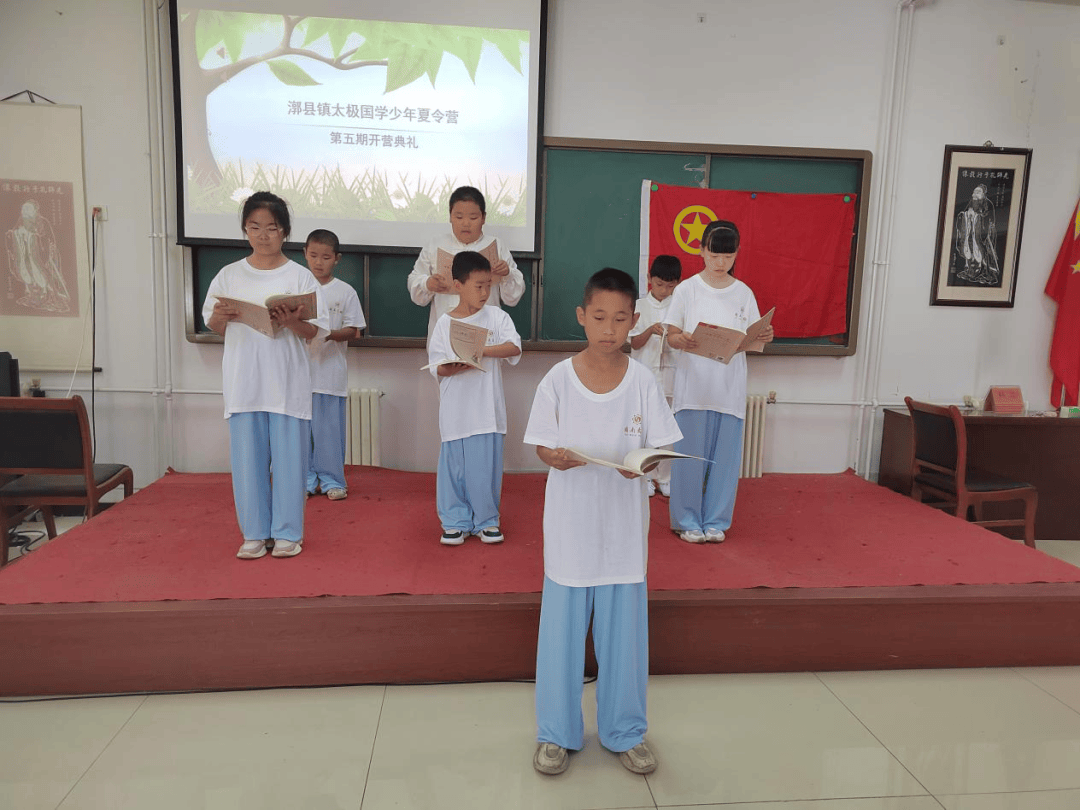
x=370, y=195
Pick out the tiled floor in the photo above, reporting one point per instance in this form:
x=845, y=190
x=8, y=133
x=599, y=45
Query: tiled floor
x=998, y=739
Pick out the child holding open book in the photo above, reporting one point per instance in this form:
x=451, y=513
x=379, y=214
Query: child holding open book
x=266, y=380
x=430, y=282
x=329, y=370
x=710, y=396
x=596, y=522
x=472, y=410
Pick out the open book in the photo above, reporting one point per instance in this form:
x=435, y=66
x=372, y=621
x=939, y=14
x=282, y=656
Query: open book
x=467, y=342
x=444, y=260
x=722, y=343
x=638, y=461
x=257, y=316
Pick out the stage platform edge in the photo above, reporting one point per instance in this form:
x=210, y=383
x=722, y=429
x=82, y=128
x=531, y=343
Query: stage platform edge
x=103, y=648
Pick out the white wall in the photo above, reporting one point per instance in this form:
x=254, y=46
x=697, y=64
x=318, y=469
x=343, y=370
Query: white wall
x=772, y=72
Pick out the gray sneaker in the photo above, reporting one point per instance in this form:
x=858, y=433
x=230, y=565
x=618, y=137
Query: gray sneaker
x=638, y=759
x=551, y=759
x=691, y=535
x=336, y=494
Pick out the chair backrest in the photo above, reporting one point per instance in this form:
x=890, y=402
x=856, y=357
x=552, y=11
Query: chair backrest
x=940, y=438
x=44, y=436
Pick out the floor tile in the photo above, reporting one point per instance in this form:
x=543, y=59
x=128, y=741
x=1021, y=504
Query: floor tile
x=1043, y=800
x=471, y=746
x=1061, y=682
x=1067, y=550
x=46, y=746
x=300, y=748
x=880, y=803
x=754, y=738
x=967, y=731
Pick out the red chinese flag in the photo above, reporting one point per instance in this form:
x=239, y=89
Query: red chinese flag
x=794, y=249
x=1064, y=287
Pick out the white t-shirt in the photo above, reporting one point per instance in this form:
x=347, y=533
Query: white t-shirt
x=657, y=354
x=471, y=402
x=702, y=384
x=329, y=370
x=508, y=292
x=260, y=373
x=596, y=522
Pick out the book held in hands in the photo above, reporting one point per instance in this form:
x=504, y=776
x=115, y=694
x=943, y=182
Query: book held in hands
x=444, y=259
x=722, y=343
x=638, y=461
x=258, y=316
x=467, y=342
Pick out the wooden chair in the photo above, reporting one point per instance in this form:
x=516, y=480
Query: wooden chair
x=939, y=469
x=45, y=443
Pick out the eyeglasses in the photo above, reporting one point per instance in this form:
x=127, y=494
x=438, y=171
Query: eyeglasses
x=272, y=231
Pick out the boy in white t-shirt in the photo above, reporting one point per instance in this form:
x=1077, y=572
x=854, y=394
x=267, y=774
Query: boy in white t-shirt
x=596, y=522
x=649, y=344
x=468, y=213
x=472, y=411
x=329, y=370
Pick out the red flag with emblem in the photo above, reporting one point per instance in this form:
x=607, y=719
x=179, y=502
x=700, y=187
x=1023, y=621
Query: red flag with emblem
x=794, y=250
x=1064, y=287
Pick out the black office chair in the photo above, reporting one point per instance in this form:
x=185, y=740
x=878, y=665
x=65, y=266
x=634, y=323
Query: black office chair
x=45, y=444
x=939, y=469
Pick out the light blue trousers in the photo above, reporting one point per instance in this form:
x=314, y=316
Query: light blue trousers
x=703, y=495
x=327, y=468
x=620, y=626
x=468, y=486
x=260, y=443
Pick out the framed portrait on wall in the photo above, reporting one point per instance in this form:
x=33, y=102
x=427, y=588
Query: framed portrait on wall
x=980, y=220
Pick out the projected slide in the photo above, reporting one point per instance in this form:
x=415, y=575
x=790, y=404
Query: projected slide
x=363, y=126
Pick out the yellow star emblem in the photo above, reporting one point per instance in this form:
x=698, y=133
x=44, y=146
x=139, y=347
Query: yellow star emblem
x=1076, y=223
x=1076, y=267
x=694, y=229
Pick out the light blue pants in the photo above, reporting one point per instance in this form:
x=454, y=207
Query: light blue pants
x=327, y=468
x=703, y=495
x=261, y=443
x=468, y=486
x=620, y=626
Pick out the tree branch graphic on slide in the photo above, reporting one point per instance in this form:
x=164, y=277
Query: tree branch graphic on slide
x=407, y=52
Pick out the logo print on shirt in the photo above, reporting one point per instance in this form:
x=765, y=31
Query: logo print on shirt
x=633, y=429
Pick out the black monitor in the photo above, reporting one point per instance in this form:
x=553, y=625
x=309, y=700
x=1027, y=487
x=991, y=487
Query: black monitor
x=9, y=375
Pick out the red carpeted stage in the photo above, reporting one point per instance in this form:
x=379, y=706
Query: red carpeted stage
x=820, y=572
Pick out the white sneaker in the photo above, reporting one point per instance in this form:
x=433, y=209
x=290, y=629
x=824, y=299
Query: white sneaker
x=492, y=534
x=286, y=548
x=452, y=537
x=692, y=535
x=252, y=550
x=652, y=488
x=337, y=494
x=665, y=488
x=714, y=536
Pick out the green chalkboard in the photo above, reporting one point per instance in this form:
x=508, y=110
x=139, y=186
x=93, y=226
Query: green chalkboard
x=591, y=200
x=207, y=261
x=379, y=280
x=592, y=220
x=592, y=212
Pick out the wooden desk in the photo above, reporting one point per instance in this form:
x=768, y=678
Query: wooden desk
x=1041, y=450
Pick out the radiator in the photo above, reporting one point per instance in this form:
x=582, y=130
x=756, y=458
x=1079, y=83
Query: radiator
x=753, y=453
x=362, y=444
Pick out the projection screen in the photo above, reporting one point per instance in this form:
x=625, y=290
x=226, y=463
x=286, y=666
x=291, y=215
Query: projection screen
x=364, y=116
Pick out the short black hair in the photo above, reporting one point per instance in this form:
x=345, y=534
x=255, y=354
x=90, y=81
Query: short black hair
x=611, y=280
x=468, y=262
x=468, y=194
x=666, y=268
x=720, y=236
x=322, y=236
x=278, y=208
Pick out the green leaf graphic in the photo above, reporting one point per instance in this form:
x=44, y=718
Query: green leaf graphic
x=290, y=74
